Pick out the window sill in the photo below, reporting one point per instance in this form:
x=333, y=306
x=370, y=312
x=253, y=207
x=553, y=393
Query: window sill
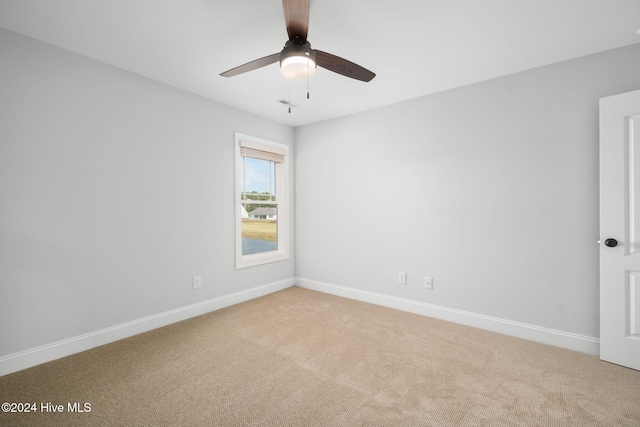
x=245, y=261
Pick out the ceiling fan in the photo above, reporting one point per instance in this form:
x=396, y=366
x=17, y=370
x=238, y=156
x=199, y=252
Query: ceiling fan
x=298, y=60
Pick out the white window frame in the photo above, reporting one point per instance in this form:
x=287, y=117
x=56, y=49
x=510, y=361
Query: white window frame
x=282, y=197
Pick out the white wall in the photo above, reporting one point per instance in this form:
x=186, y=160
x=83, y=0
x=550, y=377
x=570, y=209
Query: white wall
x=491, y=189
x=115, y=190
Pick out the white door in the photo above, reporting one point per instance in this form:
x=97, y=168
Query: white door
x=620, y=223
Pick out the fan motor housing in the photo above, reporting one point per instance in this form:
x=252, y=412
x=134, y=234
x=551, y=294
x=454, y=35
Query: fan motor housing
x=298, y=49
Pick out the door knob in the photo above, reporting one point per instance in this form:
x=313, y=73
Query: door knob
x=612, y=243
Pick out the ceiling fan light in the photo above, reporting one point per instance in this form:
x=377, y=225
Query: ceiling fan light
x=298, y=67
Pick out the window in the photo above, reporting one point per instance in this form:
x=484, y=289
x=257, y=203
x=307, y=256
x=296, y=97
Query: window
x=262, y=213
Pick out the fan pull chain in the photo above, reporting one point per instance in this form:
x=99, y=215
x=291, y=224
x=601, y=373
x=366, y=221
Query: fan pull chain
x=289, y=96
x=308, y=78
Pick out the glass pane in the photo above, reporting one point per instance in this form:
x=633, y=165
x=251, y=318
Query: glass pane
x=258, y=179
x=259, y=228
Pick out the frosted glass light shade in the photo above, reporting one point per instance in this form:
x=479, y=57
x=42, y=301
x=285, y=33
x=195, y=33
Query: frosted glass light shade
x=298, y=67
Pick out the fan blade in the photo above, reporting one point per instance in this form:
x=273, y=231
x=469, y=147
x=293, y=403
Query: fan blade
x=253, y=65
x=342, y=66
x=296, y=17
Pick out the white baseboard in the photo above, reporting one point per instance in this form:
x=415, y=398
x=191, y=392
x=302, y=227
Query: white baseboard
x=568, y=340
x=45, y=353
x=35, y=356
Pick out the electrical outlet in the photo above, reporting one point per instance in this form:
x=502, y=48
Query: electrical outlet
x=197, y=282
x=428, y=282
x=402, y=278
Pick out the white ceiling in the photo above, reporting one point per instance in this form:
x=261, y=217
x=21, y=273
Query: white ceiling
x=416, y=47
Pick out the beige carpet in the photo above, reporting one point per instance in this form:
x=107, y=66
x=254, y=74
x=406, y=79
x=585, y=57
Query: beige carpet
x=303, y=358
